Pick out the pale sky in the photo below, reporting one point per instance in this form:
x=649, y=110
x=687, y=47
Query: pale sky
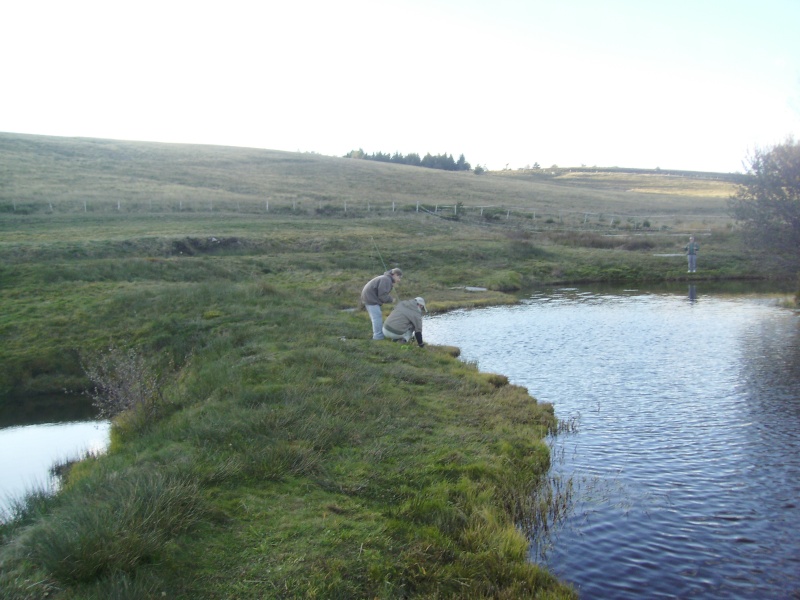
x=684, y=84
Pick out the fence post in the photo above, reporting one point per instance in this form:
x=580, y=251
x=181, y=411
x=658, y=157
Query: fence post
x=392, y=205
x=417, y=205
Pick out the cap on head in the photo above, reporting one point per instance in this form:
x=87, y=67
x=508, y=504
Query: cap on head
x=396, y=271
x=421, y=302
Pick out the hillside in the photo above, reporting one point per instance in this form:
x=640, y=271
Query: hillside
x=50, y=174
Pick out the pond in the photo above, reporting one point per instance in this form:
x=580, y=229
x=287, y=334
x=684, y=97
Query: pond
x=685, y=454
x=38, y=433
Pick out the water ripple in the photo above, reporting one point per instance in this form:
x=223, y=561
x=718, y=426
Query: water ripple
x=687, y=455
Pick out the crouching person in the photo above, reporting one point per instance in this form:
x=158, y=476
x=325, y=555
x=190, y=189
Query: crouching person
x=405, y=320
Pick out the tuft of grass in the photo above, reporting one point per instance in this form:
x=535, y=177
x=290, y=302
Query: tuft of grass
x=129, y=522
x=505, y=281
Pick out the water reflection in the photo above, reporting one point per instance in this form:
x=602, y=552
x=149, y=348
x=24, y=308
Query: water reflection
x=38, y=432
x=687, y=449
x=33, y=410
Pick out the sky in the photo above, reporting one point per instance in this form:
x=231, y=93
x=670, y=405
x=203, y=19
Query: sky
x=687, y=84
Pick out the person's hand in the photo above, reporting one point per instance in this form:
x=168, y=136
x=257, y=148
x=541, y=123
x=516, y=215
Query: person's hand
x=422, y=345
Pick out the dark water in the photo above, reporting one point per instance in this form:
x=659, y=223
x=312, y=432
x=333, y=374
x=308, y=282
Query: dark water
x=35, y=434
x=686, y=459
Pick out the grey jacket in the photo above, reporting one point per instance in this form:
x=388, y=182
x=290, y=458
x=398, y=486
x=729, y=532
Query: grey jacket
x=377, y=290
x=406, y=315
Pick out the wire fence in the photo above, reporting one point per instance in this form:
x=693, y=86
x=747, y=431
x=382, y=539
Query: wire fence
x=523, y=216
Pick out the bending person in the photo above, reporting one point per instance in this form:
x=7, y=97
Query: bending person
x=406, y=320
x=376, y=293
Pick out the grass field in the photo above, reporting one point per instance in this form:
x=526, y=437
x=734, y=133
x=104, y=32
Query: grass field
x=57, y=175
x=287, y=455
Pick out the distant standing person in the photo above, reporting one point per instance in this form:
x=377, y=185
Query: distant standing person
x=691, y=252
x=406, y=320
x=376, y=293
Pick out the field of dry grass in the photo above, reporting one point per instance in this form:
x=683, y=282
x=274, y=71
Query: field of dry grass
x=54, y=175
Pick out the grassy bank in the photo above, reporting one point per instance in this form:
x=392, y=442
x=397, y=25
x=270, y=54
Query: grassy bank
x=289, y=455
x=74, y=281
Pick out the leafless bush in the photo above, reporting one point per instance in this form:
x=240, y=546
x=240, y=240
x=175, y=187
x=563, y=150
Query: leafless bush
x=123, y=380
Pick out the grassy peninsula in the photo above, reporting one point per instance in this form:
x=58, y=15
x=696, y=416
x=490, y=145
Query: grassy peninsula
x=286, y=455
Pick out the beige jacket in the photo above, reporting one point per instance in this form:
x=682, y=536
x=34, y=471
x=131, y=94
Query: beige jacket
x=406, y=315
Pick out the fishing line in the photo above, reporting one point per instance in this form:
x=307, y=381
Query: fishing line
x=385, y=268
x=379, y=253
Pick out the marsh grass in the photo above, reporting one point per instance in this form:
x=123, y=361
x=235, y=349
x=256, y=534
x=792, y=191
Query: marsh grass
x=129, y=521
x=295, y=457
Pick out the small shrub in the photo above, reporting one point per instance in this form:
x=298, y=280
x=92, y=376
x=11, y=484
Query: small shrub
x=493, y=214
x=496, y=379
x=505, y=281
x=123, y=381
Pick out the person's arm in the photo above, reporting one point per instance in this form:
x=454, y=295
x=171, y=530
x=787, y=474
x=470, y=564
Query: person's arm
x=418, y=335
x=384, y=287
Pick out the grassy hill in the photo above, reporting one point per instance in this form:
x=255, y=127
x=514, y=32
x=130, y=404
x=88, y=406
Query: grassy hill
x=285, y=454
x=56, y=175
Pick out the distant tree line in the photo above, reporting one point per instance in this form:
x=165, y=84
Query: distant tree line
x=440, y=161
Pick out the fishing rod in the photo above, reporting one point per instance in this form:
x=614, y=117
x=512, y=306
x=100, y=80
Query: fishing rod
x=385, y=268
